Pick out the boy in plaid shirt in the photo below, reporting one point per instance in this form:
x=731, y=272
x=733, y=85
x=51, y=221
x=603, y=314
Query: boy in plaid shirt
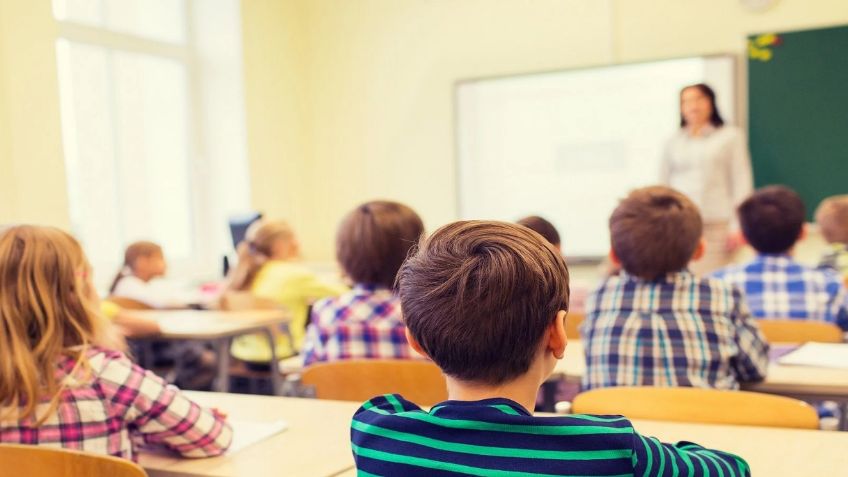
x=774, y=284
x=656, y=323
x=372, y=242
x=832, y=218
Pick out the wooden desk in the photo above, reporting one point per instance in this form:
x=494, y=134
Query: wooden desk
x=769, y=451
x=801, y=382
x=219, y=327
x=316, y=443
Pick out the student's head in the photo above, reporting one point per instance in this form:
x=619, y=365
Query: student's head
x=272, y=240
x=654, y=231
x=374, y=239
x=145, y=259
x=142, y=259
x=543, y=228
x=698, y=106
x=48, y=308
x=772, y=219
x=832, y=217
x=264, y=240
x=481, y=299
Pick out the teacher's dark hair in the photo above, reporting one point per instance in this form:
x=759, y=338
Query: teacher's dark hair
x=715, y=117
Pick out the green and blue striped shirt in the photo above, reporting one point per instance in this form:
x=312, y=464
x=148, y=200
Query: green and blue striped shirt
x=497, y=437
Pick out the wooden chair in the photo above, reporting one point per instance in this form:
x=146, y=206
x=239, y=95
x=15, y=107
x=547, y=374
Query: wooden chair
x=572, y=325
x=710, y=406
x=128, y=303
x=799, y=331
x=34, y=461
x=421, y=382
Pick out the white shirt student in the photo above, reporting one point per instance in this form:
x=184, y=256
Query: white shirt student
x=709, y=162
x=140, y=278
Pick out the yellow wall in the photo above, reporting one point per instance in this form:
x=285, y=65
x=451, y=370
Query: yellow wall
x=379, y=75
x=349, y=100
x=275, y=93
x=31, y=162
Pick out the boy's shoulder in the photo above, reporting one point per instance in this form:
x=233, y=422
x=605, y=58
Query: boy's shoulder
x=681, y=280
x=496, y=415
x=357, y=304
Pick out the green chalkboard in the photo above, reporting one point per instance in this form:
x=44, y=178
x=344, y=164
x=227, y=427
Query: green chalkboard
x=798, y=111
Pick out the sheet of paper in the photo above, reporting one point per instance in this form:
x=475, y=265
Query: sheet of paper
x=824, y=355
x=247, y=433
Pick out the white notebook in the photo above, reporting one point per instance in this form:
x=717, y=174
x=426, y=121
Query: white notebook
x=247, y=433
x=823, y=355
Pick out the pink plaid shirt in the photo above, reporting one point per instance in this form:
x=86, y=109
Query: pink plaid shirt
x=364, y=323
x=119, y=407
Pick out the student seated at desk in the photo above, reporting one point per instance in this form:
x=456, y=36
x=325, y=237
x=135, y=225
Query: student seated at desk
x=487, y=302
x=832, y=219
x=62, y=383
x=267, y=268
x=774, y=284
x=365, y=323
x=656, y=323
x=140, y=278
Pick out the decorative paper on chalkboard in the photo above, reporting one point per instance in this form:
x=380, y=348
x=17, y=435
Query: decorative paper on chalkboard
x=760, y=46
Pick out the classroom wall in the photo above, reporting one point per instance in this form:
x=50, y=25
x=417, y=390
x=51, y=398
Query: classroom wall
x=352, y=99
x=275, y=90
x=32, y=172
x=378, y=76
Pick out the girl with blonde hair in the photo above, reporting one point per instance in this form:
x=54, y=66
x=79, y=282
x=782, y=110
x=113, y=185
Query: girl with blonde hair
x=60, y=383
x=267, y=268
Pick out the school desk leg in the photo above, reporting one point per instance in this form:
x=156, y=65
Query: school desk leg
x=275, y=363
x=222, y=382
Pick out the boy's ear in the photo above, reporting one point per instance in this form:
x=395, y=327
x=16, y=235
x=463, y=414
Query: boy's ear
x=700, y=250
x=557, y=339
x=614, y=258
x=805, y=230
x=414, y=343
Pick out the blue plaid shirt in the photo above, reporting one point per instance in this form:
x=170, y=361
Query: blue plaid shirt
x=836, y=258
x=776, y=286
x=679, y=330
x=364, y=323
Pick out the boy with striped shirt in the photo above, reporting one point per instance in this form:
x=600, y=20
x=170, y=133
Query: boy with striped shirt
x=487, y=302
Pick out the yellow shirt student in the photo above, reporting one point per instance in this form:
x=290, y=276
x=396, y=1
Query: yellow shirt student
x=293, y=286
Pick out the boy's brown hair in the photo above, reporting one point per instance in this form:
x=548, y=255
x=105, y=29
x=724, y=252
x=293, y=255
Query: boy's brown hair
x=832, y=217
x=374, y=239
x=655, y=230
x=772, y=219
x=478, y=297
x=541, y=227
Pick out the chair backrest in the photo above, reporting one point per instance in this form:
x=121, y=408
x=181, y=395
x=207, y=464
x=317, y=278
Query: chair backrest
x=359, y=380
x=233, y=300
x=572, y=325
x=698, y=405
x=799, y=331
x=35, y=461
x=128, y=303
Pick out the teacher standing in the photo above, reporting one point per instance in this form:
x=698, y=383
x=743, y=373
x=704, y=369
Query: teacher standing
x=708, y=161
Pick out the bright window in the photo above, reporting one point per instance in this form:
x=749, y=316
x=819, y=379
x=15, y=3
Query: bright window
x=153, y=126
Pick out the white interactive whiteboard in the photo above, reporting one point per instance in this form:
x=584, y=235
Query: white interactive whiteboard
x=568, y=145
